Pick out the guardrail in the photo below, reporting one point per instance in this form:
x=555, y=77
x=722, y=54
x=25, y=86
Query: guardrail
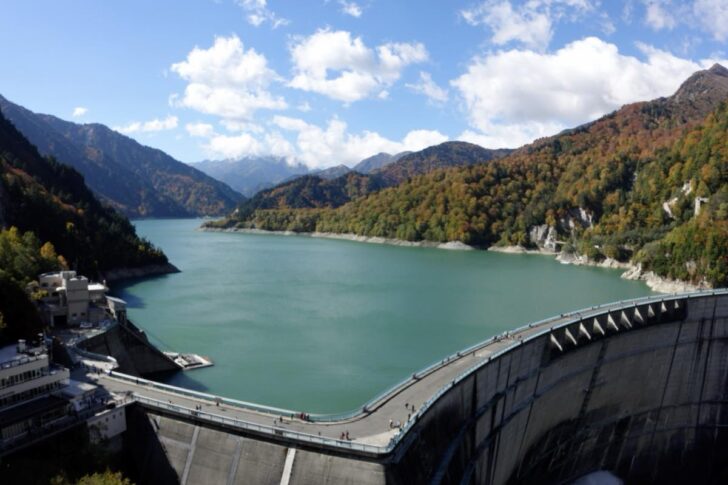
x=542, y=326
x=261, y=408
x=260, y=428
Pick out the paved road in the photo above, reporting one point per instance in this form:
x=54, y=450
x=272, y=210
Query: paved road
x=371, y=427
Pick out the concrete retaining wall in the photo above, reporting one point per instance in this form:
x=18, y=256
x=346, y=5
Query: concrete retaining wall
x=132, y=350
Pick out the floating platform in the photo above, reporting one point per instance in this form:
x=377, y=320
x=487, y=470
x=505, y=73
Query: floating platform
x=189, y=361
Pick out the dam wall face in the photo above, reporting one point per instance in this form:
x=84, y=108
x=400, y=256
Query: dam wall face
x=641, y=391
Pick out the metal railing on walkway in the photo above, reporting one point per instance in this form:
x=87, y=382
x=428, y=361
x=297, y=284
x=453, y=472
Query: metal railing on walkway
x=276, y=431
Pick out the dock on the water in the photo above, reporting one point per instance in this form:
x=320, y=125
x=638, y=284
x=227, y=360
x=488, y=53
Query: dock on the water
x=189, y=361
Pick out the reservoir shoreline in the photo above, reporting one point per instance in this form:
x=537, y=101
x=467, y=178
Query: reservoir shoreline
x=632, y=271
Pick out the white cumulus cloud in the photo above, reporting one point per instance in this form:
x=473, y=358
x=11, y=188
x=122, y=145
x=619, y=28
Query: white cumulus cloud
x=713, y=15
x=202, y=130
x=514, y=96
x=257, y=13
x=79, y=111
x=227, y=80
x=234, y=146
x=350, y=8
x=168, y=123
x=342, y=67
x=429, y=88
x=333, y=144
x=530, y=23
x=658, y=15
x=318, y=147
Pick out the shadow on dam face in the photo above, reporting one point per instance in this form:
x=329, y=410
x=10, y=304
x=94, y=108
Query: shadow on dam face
x=637, y=389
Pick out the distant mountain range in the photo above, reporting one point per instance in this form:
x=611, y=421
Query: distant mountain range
x=250, y=175
x=317, y=191
x=137, y=180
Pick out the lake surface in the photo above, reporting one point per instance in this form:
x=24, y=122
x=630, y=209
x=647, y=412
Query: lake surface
x=324, y=325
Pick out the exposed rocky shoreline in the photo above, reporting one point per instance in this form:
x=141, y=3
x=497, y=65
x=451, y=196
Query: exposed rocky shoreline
x=631, y=271
x=140, y=272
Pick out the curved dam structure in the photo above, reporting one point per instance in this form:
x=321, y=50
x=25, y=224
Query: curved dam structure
x=637, y=388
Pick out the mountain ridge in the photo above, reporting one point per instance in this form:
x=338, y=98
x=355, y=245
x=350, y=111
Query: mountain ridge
x=313, y=191
x=138, y=180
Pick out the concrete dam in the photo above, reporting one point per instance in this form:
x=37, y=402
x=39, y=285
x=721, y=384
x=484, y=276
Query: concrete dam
x=637, y=388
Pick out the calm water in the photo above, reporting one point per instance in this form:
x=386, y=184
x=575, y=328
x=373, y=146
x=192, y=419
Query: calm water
x=322, y=325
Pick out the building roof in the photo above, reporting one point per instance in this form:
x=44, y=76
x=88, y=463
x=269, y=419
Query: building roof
x=10, y=356
x=97, y=287
x=9, y=352
x=78, y=388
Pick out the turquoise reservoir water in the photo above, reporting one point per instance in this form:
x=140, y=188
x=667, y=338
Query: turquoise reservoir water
x=322, y=325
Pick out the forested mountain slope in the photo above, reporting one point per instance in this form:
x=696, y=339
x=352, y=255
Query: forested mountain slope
x=314, y=191
x=138, y=180
x=647, y=183
x=50, y=219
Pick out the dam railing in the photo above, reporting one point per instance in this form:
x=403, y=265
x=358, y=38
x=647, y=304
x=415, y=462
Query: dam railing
x=260, y=428
x=534, y=331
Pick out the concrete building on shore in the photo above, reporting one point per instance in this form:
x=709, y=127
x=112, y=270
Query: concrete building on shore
x=72, y=299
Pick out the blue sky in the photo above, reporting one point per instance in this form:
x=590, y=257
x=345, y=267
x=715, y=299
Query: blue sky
x=334, y=81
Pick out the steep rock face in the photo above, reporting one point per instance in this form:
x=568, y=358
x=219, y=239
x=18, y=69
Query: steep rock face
x=544, y=237
x=695, y=98
x=139, y=181
x=702, y=91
